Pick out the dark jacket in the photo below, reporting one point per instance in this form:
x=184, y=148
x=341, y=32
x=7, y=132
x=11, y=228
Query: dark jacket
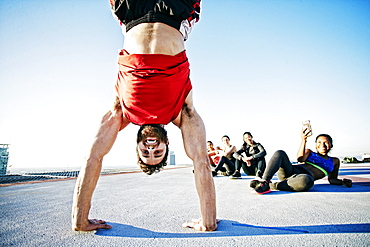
x=256, y=151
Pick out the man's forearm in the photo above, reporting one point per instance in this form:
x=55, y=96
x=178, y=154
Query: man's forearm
x=207, y=197
x=84, y=189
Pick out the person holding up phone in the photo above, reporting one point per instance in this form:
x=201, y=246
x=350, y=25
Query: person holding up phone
x=301, y=177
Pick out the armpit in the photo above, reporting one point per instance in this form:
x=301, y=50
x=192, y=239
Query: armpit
x=187, y=110
x=117, y=104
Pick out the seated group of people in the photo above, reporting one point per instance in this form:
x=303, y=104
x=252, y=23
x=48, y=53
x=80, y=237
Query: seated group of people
x=251, y=157
x=229, y=161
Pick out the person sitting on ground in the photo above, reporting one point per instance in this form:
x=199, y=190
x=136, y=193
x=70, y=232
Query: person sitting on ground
x=314, y=166
x=220, y=156
x=212, y=154
x=250, y=157
x=227, y=149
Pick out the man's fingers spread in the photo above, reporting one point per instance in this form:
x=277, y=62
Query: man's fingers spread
x=98, y=226
x=188, y=224
x=96, y=221
x=105, y=226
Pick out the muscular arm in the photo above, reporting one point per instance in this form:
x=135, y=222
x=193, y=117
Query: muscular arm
x=194, y=138
x=111, y=123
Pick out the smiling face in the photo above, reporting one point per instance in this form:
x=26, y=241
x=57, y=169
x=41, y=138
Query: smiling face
x=151, y=151
x=248, y=139
x=209, y=145
x=152, y=148
x=323, y=145
x=226, y=141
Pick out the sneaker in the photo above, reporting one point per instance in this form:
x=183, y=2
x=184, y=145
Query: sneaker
x=253, y=184
x=236, y=175
x=263, y=188
x=225, y=174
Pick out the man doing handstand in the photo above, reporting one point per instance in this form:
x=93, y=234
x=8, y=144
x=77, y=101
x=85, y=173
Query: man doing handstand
x=153, y=89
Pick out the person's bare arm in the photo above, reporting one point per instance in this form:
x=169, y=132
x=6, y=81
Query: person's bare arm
x=230, y=150
x=333, y=176
x=194, y=138
x=111, y=123
x=303, y=153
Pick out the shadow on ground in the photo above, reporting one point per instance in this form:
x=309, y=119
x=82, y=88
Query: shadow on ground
x=229, y=228
x=356, y=187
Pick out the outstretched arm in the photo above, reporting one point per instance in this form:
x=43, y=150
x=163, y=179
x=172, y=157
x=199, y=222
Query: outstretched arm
x=111, y=124
x=194, y=137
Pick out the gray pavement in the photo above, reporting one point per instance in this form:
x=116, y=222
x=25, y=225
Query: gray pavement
x=149, y=210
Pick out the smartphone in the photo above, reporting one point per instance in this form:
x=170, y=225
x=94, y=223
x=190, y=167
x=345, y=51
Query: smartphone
x=307, y=127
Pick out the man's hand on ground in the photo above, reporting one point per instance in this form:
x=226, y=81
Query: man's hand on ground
x=197, y=224
x=94, y=224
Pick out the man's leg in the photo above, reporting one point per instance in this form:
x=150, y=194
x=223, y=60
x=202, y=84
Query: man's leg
x=111, y=124
x=194, y=138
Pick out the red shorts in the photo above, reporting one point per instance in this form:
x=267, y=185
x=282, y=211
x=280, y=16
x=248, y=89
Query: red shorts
x=152, y=87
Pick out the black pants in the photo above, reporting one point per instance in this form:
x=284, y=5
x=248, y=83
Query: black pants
x=258, y=164
x=228, y=164
x=292, y=177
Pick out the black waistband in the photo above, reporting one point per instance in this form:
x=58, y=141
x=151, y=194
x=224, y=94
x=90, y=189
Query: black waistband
x=152, y=17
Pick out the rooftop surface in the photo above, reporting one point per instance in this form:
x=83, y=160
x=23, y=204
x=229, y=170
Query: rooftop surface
x=149, y=211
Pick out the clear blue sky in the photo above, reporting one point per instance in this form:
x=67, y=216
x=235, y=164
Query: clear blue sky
x=258, y=66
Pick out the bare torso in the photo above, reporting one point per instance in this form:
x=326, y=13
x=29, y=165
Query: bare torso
x=316, y=173
x=154, y=38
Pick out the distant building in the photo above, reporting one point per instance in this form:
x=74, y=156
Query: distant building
x=366, y=157
x=172, y=158
x=4, y=155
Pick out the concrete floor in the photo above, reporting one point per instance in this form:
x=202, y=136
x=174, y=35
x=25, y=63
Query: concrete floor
x=149, y=210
